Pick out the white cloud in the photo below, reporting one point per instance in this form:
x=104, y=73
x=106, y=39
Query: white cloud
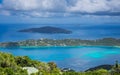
x=43, y=5
x=114, y=5
x=20, y=4
x=54, y=5
x=46, y=8
x=90, y=6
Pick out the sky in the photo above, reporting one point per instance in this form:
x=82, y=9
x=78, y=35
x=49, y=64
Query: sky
x=59, y=11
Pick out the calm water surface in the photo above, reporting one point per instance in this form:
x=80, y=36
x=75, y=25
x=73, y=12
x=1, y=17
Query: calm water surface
x=9, y=32
x=78, y=58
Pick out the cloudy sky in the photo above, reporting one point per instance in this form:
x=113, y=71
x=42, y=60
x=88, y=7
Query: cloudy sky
x=42, y=10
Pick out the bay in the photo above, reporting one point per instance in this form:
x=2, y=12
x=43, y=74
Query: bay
x=78, y=58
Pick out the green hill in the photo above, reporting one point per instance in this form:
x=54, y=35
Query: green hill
x=11, y=65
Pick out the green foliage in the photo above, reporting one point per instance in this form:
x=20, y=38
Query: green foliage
x=52, y=65
x=23, y=61
x=101, y=71
x=61, y=42
x=10, y=65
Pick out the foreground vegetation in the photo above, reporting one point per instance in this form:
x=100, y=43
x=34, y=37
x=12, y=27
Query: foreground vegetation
x=11, y=65
x=62, y=42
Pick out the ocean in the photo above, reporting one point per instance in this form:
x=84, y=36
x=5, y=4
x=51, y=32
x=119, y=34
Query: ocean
x=78, y=58
x=9, y=32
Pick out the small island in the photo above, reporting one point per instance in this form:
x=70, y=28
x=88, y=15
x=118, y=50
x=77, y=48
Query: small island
x=61, y=43
x=47, y=30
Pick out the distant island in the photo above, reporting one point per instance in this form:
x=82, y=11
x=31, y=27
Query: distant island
x=47, y=30
x=61, y=43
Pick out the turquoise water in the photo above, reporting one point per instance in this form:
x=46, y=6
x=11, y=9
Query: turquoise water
x=78, y=58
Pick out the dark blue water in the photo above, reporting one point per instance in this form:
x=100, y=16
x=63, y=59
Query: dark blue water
x=78, y=58
x=8, y=32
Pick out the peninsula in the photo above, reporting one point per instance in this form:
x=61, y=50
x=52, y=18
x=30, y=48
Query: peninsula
x=62, y=42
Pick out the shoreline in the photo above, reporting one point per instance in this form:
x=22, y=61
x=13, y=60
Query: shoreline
x=35, y=47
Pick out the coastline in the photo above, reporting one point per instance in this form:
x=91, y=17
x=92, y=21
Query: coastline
x=35, y=47
x=65, y=43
